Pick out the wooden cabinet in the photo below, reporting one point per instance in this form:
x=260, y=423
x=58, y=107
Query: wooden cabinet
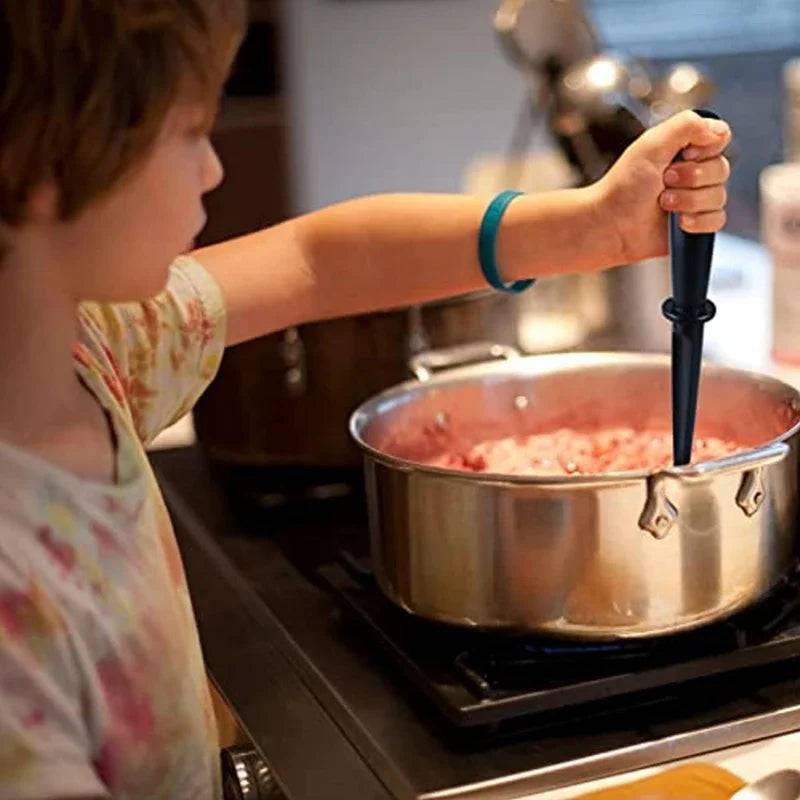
x=251, y=136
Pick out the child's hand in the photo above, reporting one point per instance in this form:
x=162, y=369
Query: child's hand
x=644, y=183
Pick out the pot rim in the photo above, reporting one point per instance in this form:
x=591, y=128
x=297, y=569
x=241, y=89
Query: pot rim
x=539, y=365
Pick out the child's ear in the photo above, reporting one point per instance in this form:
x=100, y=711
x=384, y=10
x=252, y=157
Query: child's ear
x=43, y=203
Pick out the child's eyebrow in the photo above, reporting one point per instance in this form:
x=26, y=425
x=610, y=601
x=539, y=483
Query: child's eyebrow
x=190, y=116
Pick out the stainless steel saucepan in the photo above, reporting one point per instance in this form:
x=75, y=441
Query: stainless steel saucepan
x=594, y=557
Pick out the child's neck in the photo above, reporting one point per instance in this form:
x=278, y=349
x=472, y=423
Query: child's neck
x=43, y=407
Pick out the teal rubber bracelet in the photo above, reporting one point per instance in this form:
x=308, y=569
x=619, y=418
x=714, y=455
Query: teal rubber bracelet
x=487, y=245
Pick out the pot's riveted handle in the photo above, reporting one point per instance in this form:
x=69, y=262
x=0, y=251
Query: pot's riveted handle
x=660, y=515
x=424, y=365
x=739, y=462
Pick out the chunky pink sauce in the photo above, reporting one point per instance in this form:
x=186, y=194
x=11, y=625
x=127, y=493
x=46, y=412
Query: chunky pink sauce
x=569, y=452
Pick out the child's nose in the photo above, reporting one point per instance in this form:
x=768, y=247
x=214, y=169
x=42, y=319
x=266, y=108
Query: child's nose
x=212, y=169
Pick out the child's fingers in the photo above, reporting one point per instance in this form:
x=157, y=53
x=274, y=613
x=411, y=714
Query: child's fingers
x=709, y=222
x=696, y=175
x=687, y=129
x=697, y=153
x=694, y=201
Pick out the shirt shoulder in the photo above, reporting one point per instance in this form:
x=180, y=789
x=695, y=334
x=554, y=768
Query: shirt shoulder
x=155, y=358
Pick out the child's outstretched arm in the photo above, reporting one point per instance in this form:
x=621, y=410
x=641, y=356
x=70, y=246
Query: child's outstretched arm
x=397, y=250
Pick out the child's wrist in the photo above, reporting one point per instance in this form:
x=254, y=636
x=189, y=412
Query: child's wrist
x=487, y=244
x=608, y=230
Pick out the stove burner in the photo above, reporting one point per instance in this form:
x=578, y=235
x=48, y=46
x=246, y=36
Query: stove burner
x=479, y=678
x=492, y=668
x=519, y=663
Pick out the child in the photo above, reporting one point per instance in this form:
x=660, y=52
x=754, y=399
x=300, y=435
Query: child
x=107, y=335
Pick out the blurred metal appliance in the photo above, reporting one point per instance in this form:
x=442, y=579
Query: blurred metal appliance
x=594, y=103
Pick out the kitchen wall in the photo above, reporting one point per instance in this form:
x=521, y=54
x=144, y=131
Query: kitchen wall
x=402, y=94
x=393, y=95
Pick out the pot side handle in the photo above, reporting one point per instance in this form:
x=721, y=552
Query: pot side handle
x=739, y=462
x=660, y=515
x=424, y=365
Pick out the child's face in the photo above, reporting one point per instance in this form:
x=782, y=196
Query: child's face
x=121, y=246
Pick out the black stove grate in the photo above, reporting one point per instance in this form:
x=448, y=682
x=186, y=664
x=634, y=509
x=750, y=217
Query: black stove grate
x=484, y=679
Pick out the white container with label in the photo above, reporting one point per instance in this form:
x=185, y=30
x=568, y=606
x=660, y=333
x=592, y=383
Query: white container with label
x=780, y=233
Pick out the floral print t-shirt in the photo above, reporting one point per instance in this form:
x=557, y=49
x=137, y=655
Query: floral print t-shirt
x=103, y=690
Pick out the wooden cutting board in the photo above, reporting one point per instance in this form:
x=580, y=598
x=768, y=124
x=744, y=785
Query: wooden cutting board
x=689, y=782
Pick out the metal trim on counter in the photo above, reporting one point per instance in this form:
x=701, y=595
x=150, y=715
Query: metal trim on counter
x=627, y=759
x=306, y=751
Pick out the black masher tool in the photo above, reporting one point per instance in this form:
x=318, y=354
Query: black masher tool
x=688, y=309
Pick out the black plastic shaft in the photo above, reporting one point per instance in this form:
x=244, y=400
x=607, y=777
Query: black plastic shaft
x=688, y=310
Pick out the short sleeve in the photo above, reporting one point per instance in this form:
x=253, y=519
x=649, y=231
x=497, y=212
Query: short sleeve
x=164, y=351
x=45, y=748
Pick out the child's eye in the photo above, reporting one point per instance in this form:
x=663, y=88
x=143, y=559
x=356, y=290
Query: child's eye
x=199, y=122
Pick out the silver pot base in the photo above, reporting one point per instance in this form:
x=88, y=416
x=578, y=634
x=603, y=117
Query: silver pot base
x=565, y=629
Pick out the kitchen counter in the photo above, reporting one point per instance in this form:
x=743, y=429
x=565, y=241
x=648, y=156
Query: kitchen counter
x=244, y=644
x=749, y=762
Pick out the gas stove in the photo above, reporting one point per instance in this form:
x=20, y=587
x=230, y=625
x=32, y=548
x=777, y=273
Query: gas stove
x=347, y=696
x=503, y=683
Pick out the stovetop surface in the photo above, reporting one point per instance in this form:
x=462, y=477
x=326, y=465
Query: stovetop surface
x=492, y=681
x=285, y=557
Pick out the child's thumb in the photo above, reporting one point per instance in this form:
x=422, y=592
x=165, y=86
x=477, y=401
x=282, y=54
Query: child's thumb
x=663, y=142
